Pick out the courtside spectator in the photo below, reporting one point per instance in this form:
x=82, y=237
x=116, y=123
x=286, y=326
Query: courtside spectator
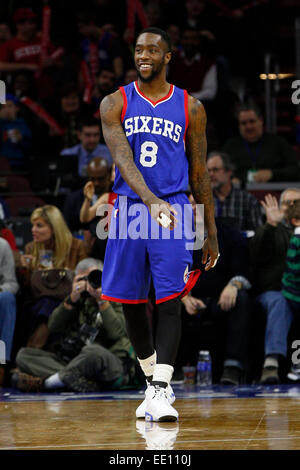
x=92, y=351
x=23, y=52
x=192, y=69
x=268, y=249
x=232, y=202
x=91, y=213
x=175, y=35
x=98, y=187
x=258, y=156
x=5, y=32
x=108, y=50
x=15, y=135
x=105, y=84
x=98, y=174
x=221, y=297
x=55, y=251
x=89, y=147
x=71, y=111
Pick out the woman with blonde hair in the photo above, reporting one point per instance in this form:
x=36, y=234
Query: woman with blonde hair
x=50, y=232
x=53, y=248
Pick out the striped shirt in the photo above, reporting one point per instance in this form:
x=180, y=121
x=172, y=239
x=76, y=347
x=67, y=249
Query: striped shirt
x=241, y=206
x=291, y=275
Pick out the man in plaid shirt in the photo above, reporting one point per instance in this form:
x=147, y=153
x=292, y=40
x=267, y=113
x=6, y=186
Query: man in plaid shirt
x=230, y=201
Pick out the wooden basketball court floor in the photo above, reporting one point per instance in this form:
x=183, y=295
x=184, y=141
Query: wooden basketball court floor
x=215, y=418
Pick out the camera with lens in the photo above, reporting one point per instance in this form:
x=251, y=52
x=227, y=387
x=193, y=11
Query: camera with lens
x=94, y=279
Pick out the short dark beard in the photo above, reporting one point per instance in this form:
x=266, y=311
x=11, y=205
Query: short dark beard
x=153, y=74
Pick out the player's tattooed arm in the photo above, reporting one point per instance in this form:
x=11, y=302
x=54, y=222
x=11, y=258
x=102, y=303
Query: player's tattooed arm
x=115, y=138
x=196, y=149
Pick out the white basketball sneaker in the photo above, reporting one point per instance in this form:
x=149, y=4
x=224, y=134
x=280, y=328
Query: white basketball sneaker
x=141, y=410
x=158, y=407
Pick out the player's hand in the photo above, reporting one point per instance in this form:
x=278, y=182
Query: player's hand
x=228, y=297
x=89, y=190
x=163, y=213
x=273, y=213
x=210, y=252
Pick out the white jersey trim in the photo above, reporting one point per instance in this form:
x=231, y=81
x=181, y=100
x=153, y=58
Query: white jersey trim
x=164, y=100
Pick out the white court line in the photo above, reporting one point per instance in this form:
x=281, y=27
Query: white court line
x=259, y=423
x=131, y=443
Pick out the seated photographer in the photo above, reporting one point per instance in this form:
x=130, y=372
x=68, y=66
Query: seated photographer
x=87, y=349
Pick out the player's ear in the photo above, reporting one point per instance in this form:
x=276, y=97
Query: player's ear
x=168, y=56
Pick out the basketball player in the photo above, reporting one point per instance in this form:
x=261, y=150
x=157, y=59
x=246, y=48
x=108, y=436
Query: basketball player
x=156, y=135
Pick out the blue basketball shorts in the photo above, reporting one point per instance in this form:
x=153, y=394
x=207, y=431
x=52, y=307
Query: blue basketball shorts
x=138, y=249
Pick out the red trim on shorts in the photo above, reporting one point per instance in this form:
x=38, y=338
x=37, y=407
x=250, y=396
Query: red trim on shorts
x=186, y=110
x=124, y=301
x=160, y=100
x=124, y=109
x=111, y=201
x=189, y=285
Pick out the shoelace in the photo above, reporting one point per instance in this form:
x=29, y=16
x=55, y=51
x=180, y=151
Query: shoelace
x=160, y=392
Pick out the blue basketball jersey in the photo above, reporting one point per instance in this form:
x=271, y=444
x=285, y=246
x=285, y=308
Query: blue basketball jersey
x=156, y=133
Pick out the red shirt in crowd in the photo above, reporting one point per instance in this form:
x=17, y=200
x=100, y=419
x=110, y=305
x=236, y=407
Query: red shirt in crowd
x=8, y=235
x=19, y=51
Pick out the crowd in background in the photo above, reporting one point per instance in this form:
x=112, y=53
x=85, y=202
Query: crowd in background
x=56, y=77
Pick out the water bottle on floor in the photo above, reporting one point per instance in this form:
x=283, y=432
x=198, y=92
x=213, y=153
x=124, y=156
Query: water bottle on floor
x=204, y=369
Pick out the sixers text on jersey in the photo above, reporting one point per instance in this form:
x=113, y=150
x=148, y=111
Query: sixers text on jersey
x=152, y=125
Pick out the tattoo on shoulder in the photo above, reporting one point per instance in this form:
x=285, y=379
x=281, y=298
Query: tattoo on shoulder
x=196, y=106
x=197, y=114
x=107, y=104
